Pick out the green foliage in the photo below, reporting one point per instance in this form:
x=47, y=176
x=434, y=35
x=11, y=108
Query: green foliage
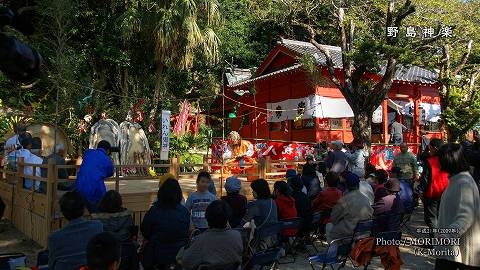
x=188, y=145
x=463, y=111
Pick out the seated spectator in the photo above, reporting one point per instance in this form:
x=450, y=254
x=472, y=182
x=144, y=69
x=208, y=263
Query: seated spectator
x=198, y=201
x=219, y=245
x=58, y=159
x=66, y=246
x=348, y=211
x=328, y=198
x=37, y=147
x=118, y=221
x=24, y=156
x=103, y=252
x=311, y=181
x=390, y=207
x=236, y=201
x=370, y=174
x=367, y=190
x=263, y=209
x=165, y=227
x=406, y=193
x=292, y=174
x=285, y=205
x=302, y=203
x=379, y=190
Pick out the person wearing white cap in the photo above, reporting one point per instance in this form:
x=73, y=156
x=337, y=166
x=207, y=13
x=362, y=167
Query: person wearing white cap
x=336, y=159
x=237, y=201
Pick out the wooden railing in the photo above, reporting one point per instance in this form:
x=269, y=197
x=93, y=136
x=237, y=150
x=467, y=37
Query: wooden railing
x=37, y=214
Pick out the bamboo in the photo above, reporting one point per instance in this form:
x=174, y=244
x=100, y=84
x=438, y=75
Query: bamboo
x=51, y=184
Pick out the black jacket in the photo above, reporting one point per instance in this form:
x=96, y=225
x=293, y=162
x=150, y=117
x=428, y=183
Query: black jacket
x=166, y=230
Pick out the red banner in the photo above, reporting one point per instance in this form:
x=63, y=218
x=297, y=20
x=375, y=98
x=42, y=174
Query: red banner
x=382, y=155
x=179, y=128
x=274, y=150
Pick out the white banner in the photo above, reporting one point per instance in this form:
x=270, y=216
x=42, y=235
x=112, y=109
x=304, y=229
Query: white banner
x=432, y=111
x=377, y=116
x=165, y=135
x=313, y=105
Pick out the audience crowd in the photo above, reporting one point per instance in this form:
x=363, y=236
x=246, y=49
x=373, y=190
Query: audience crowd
x=203, y=232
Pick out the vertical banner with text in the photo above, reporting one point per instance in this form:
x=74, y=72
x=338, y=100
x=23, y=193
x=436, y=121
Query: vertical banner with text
x=165, y=135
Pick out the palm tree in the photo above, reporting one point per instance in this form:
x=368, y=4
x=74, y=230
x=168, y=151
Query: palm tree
x=182, y=29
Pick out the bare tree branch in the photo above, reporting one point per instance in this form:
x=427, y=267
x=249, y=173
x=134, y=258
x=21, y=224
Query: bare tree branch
x=464, y=58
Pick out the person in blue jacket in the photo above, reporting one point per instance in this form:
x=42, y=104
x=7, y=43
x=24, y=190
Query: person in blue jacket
x=96, y=166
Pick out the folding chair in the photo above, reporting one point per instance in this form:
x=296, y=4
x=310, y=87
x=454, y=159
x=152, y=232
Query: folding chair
x=314, y=229
x=290, y=247
x=383, y=236
x=220, y=267
x=71, y=261
x=6, y=257
x=266, y=258
x=337, y=253
x=267, y=236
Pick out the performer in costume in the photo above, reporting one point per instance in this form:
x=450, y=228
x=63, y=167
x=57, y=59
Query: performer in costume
x=238, y=153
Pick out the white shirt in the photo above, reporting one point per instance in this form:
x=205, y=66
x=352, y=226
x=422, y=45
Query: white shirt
x=11, y=144
x=28, y=157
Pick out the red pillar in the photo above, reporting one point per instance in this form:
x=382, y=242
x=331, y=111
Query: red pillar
x=416, y=120
x=385, y=121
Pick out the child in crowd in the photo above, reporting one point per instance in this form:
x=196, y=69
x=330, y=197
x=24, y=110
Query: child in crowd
x=285, y=205
x=103, y=252
x=198, y=201
x=237, y=201
x=119, y=222
x=327, y=198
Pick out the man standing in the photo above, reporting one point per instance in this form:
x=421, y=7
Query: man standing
x=396, y=130
x=407, y=162
x=96, y=166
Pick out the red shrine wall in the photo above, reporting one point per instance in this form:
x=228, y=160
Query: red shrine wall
x=296, y=84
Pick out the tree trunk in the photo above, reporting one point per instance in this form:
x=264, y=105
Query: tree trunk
x=362, y=126
x=156, y=95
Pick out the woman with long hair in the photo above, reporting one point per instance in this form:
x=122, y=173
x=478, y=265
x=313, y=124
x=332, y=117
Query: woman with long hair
x=165, y=227
x=459, y=212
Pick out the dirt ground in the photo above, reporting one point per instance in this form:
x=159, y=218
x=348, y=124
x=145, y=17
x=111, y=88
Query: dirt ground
x=12, y=240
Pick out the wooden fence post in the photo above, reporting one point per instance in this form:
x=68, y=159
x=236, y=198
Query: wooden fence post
x=205, y=163
x=51, y=194
x=262, y=169
x=174, y=167
x=117, y=179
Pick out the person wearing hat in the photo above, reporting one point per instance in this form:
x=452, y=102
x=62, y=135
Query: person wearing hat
x=237, y=201
x=336, y=159
x=356, y=158
x=351, y=208
x=389, y=208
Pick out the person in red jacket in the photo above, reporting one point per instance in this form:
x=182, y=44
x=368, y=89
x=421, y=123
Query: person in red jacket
x=285, y=205
x=433, y=182
x=328, y=198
